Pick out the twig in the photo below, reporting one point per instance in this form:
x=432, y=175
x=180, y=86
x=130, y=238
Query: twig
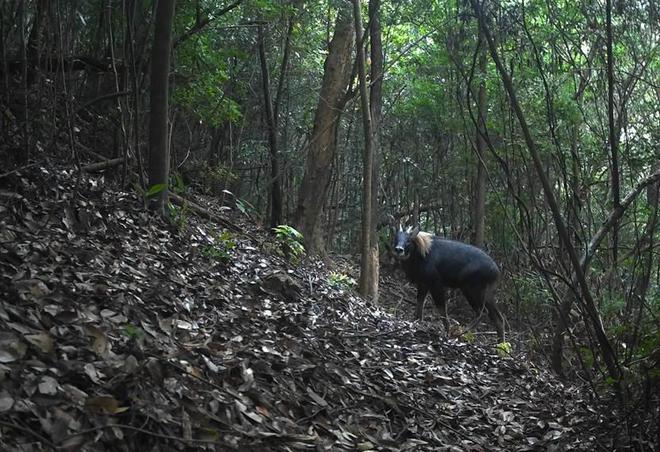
x=20, y=168
x=181, y=369
x=103, y=165
x=180, y=201
x=30, y=432
x=141, y=430
x=374, y=335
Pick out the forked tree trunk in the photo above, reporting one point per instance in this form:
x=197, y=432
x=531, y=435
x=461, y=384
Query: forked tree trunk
x=159, y=156
x=323, y=142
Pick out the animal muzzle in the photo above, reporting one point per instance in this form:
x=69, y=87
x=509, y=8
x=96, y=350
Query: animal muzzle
x=400, y=252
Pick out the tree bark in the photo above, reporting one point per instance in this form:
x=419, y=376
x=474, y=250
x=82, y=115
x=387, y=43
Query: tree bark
x=376, y=105
x=159, y=155
x=323, y=142
x=480, y=185
x=368, y=268
x=613, y=138
x=275, y=188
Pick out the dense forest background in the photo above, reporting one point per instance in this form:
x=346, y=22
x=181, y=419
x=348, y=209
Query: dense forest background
x=530, y=128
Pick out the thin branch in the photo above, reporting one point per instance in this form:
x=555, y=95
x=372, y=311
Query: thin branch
x=201, y=24
x=30, y=432
x=614, y=216
x=144, y=431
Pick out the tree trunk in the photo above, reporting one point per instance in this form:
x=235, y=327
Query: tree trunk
x=275, y=188
x=613, y=136
x=34, y=40
x=376, y=105
x=159, y=156
x=480, y=185
x=24, y=157
x=561, y=314
x=368, y=268
x=323, y=142
x=609, y=355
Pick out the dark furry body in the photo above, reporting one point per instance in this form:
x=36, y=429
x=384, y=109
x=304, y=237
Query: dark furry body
x=452, y=264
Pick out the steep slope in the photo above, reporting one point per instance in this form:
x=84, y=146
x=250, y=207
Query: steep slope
x=118, y=332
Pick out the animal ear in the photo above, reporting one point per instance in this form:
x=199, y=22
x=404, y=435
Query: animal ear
x=414, y=232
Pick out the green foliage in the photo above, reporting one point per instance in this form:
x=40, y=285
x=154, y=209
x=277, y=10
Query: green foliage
x=202, y=63
x=206, y=99
x=610, y=381
x=533, y=294
x=245, y=207
x=209, y=179
x=132, y=332
x=290, y=242
x=469, y=337
x=176, y=183
x=587, y=356
x=221, y=250
x=178, y=216
x=503, y=349
x=341, y=281
x=649, y=341
x=155, y=190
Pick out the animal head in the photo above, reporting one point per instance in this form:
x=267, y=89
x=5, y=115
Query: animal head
x=404, y=242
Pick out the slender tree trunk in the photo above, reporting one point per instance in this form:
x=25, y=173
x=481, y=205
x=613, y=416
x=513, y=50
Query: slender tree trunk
x=130, y=34
x=159, y=156
x=323, y=142
x=613, y=138
x=562, y=312
x=367, y=265
x=480, y=185
x=283, y=71
x=376, y=105
x=275, y=188
x=24, y=157
x=609, y=355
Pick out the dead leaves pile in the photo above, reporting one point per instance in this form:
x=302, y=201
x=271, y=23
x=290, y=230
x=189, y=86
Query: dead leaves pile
x=119, y=333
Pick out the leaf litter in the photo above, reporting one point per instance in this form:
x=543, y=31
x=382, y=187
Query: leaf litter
x=118, y=332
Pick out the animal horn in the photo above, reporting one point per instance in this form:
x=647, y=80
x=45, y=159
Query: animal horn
x=396, y=224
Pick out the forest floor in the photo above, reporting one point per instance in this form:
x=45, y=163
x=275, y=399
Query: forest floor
x=119, y=332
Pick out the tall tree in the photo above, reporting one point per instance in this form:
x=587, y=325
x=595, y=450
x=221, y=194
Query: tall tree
x=369, y=273
x=323, y=142
x=480, y=148
x=159, y=155
x=271, y=123
x=613, y=135
x=368, y=264
x=608, y=353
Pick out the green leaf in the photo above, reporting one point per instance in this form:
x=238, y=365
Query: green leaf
x=503, y=349
x=155, y=189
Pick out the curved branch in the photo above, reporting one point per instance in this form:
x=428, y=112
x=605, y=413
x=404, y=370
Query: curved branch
x=614, y=216
x=201, y=23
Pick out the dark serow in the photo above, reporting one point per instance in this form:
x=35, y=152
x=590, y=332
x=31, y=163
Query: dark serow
x=434, y=264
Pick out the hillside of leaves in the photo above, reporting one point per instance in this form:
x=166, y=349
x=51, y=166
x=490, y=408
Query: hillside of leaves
x=121, y=333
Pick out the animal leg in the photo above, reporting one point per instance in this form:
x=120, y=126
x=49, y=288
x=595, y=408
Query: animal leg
x=421, y=296
x=441, y=303
x=475, y=296
x=495, y=315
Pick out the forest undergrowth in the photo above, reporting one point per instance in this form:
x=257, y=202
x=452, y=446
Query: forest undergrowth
x=121, y=332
